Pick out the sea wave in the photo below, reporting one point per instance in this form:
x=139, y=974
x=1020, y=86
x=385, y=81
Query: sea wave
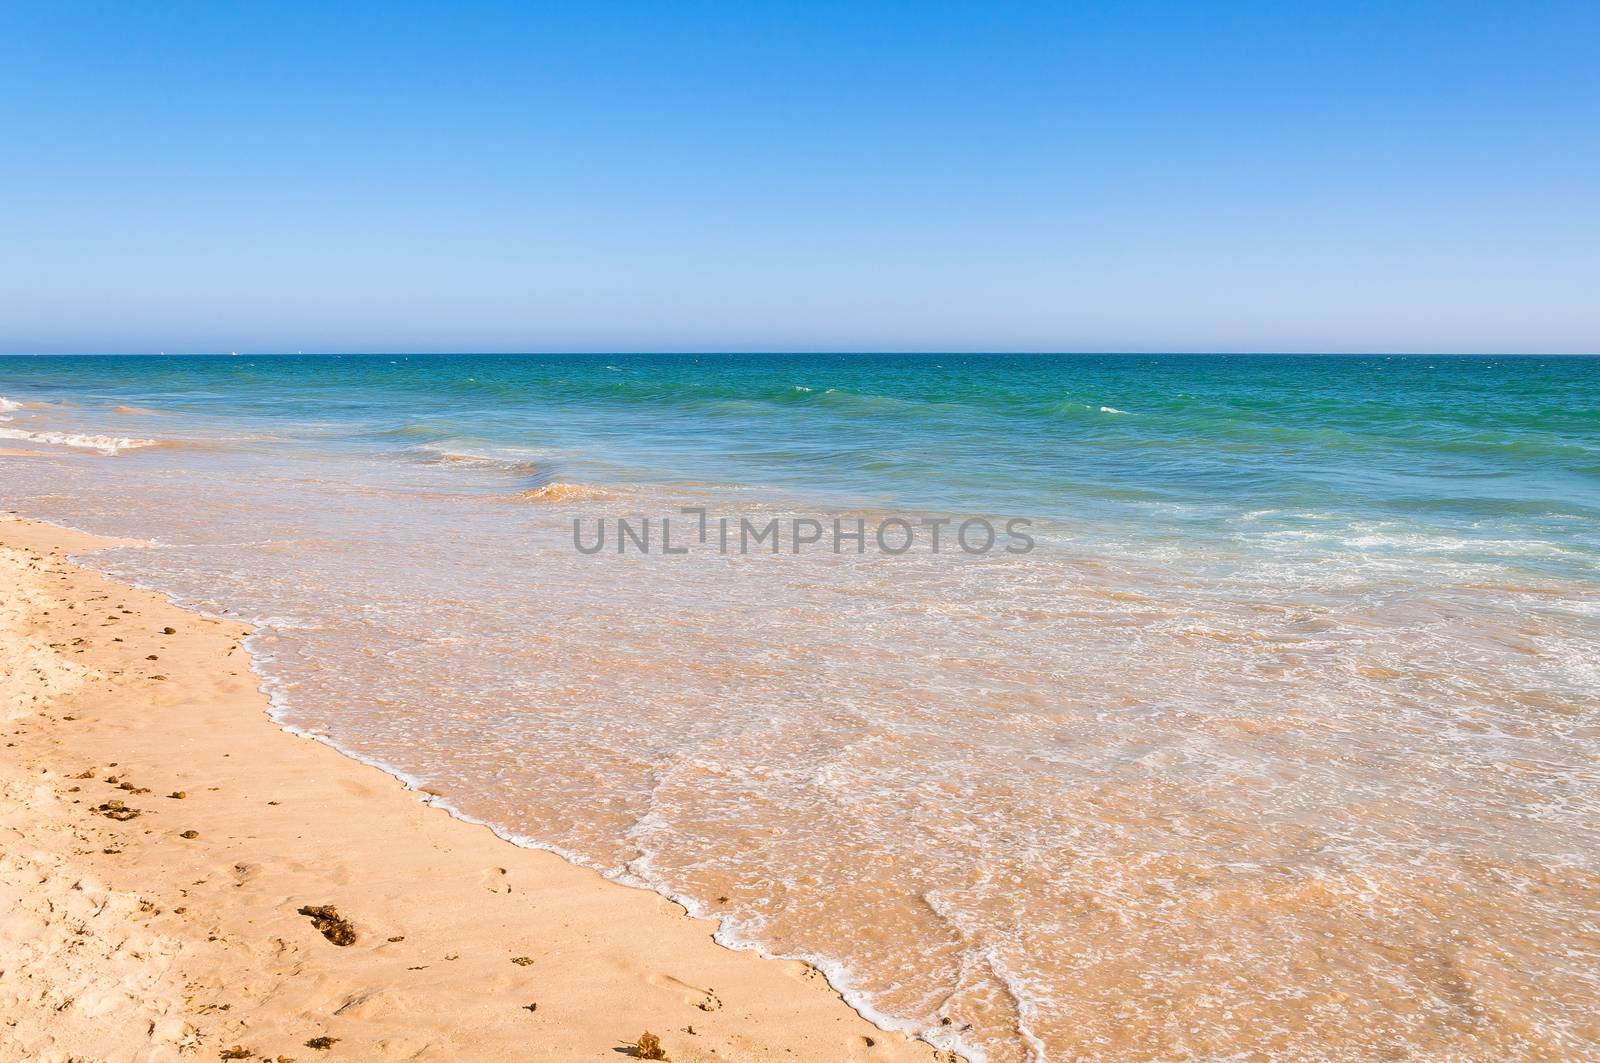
x=450, y=452
x=556, y=491
x=862, y=402
x=107, y=445
x=1078, y=409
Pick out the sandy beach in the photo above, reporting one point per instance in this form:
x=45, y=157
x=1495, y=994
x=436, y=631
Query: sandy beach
x=184, y=880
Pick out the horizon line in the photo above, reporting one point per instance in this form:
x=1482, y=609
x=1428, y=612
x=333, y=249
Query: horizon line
x=889, y=352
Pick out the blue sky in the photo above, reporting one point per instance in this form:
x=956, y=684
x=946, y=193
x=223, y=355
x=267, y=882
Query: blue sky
x=806, y=176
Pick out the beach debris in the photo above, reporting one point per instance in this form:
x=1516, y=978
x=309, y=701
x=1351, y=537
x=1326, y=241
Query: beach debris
x=190, y=834
x=161, y=678
x=85, y=774
x=531, y=1007
x=178, y=795
x=323, y=1043
x=648, y=1046
x=117, y=810
x=152, y=657
x=332, y=925
x=237, y=1052
x=169, y=631
x=522, y=961
x=397, y=937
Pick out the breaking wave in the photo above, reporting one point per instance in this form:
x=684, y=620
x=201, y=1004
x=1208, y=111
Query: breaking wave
x=108, y=445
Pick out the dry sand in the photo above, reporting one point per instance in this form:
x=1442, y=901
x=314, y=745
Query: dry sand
x=175, y=931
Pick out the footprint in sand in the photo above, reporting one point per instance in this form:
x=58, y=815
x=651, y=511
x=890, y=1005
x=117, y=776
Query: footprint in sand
x=802, y=971
x=401, y=1048
x=704, y=999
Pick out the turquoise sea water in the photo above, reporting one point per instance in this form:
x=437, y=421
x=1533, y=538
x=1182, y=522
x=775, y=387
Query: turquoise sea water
x=1446, y=441
x=1301, y=677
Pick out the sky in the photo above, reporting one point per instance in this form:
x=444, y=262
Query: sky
x=596, y=176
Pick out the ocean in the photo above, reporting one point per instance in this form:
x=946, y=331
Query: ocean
x=1122, y=707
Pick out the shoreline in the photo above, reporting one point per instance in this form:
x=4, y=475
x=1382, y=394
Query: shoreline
x=131, y=938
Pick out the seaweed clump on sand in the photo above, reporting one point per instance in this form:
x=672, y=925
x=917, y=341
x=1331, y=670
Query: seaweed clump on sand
x=648, y=1046
x=237, y=1052
x=322, y=1044
x=117, y=810
x=333, y=926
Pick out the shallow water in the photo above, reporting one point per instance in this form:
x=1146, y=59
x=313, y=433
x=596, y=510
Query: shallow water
x=1282, y=742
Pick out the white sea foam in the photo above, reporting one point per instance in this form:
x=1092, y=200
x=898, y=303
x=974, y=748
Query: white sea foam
x=104, y=444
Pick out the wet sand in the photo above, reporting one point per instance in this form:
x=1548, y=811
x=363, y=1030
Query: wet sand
x=168, y=857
